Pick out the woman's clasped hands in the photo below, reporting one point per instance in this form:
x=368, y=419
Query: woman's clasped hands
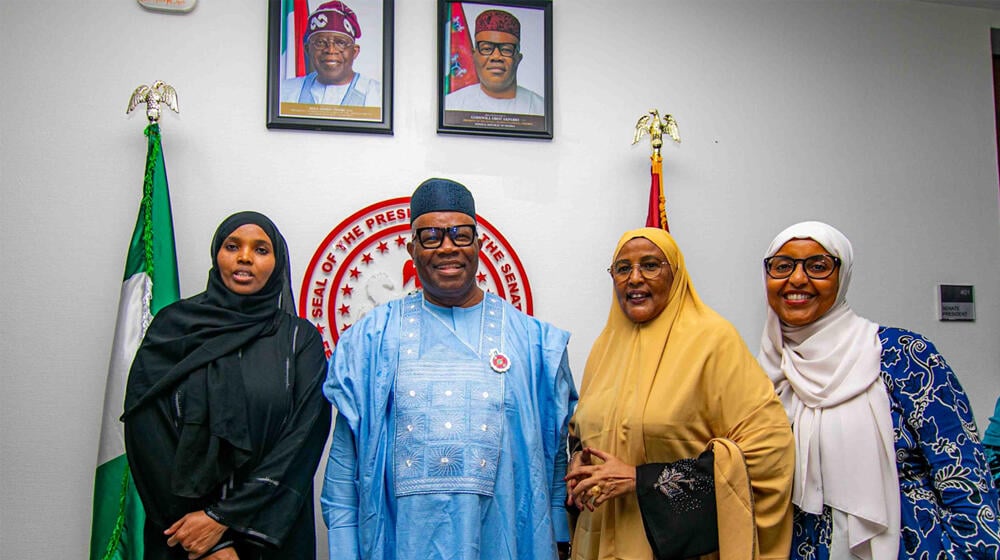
x=590, y=485
x=197, y=533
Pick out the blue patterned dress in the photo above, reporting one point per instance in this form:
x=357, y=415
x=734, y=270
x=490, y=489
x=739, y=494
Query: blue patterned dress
x=948, y=503
x=991, y=441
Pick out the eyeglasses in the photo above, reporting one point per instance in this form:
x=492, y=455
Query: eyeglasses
x=338, y=44
x=486, y=48
x=432, y=237
x=816, y=267
x=649, y=270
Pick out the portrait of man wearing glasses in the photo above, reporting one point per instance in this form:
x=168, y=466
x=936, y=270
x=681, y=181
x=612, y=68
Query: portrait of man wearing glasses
x=496, y=54
x=330, y=44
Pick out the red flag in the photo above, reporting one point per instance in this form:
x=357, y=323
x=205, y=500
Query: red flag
x=657, y=214
x=301, y=21
x=461, y=71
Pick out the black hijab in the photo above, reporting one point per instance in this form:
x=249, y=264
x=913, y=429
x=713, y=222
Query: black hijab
x=192, y=346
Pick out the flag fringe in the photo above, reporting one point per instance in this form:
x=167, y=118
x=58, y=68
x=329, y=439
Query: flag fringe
x=657, y=170
x=116, y=535
x=152, y=154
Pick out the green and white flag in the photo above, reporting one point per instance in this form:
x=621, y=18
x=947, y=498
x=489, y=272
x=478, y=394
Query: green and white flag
x=150, y=284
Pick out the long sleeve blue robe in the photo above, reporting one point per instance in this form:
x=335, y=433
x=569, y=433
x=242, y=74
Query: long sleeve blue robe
x=525, y=515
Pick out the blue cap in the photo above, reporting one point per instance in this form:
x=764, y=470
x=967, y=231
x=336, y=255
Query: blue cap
x=441, y=195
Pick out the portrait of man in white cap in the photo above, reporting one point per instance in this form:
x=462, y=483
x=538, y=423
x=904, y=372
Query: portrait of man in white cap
x=331, y=47
x=496, y=55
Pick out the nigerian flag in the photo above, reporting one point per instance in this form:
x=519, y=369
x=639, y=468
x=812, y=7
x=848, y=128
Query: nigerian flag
x=150, y=284
x=294, y=18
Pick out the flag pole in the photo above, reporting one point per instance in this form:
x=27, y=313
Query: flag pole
x=150, y=283
x=652, y=124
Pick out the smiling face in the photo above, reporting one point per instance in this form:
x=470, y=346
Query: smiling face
x=497, y=73
x=246, y=260
x=448, y=273
x=332, y=56
x=799, y=300
x=640, y=298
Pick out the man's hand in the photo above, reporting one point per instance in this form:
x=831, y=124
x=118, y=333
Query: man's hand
x=197, y=533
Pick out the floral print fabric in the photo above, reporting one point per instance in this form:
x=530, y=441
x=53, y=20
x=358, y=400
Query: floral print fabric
x=948, y=503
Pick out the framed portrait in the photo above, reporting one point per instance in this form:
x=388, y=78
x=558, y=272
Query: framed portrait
x=495, y=68
x=329, y=65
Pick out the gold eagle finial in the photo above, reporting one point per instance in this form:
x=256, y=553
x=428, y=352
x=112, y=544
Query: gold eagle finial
x=652, y=124
x=153, y=96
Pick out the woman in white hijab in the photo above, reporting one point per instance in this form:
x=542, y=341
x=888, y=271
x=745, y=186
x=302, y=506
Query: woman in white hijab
x=888, y=463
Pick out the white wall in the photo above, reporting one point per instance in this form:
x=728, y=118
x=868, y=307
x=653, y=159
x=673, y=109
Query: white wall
x=874, y=116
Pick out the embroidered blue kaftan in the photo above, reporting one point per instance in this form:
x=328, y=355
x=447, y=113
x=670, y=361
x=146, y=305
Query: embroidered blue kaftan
x=948, y=504
x=439, y=456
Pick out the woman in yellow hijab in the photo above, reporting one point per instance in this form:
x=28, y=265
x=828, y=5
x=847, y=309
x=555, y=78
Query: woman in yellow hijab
x=684, y=449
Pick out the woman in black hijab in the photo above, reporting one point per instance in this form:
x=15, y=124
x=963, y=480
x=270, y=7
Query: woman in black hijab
x=225, y=419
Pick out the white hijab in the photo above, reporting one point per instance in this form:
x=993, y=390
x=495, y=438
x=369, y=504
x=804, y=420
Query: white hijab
x=826, y=374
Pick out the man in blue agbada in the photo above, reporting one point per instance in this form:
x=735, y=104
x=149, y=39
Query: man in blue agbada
x=450, y=441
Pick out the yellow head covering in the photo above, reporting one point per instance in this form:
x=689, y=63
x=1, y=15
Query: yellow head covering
x=666, y=390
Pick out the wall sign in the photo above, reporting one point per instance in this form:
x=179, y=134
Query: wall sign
x=363, y=263
x=956, y=303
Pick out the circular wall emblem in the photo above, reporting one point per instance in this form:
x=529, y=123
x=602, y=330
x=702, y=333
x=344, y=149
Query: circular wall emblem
x=363, y=263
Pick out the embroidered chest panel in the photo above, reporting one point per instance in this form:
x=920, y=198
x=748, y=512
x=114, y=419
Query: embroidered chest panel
x=449, y=413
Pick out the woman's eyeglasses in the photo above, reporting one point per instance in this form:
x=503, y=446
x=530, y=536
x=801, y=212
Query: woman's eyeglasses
x=621, y=270
x=432, y=237
x=816, y=267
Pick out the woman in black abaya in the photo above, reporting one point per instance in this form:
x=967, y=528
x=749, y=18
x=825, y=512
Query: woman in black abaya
x=225, y=419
